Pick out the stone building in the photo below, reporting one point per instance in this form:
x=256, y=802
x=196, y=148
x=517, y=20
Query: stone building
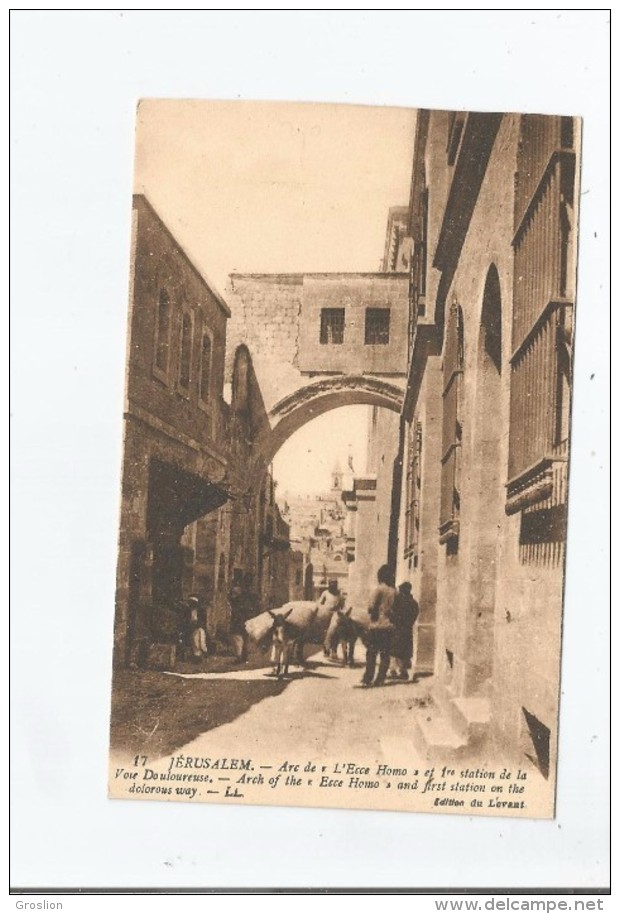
x=370, y=496
x=480, y=513
x=274, y=555
x=296, y=583
x=320, y=341
x=188, y=521
x=320, y=533
x=175, y=465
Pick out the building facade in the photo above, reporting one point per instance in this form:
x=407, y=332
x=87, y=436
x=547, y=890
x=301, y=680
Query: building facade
x=479, y=519
x=370, y=496
x=188, y=522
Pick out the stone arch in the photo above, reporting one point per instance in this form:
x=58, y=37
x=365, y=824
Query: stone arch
x=311, y=401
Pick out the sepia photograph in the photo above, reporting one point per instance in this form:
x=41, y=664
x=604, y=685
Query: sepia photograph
x=345, y=468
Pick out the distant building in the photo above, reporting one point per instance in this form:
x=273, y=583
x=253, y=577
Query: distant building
x=275, y=556
x=319, y=532
x=296, y=584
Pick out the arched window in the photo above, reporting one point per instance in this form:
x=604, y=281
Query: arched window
x=205, y=368
x=162, y=332
x=452, y=429
x=185, y=351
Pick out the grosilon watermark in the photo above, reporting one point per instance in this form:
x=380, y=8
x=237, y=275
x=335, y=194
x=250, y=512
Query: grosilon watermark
x=38, y=905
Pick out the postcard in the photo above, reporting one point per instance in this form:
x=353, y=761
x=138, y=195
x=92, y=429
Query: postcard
x=346, y=457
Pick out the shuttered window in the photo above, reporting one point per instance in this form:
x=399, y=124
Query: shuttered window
x=540, y=382
x=542, y=313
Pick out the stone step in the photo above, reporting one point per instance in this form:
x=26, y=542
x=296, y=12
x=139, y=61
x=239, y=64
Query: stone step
x=469, y=717
x=434, y=736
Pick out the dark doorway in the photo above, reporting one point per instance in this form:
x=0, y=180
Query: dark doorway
x=309, y=583
x=167, y=572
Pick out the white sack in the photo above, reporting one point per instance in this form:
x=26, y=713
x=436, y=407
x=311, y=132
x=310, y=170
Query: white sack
x=305, y=616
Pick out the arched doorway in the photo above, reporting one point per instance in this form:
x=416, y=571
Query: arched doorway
x=487, y=491
x=309, y=582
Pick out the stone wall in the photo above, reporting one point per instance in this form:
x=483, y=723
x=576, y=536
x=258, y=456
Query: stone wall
x=160, y=266
x=419, y=567
x=278, y=317
x=467, y=577
x=265, y=313
x=354, y=294
x=495, y=608
x=188, y=521
x=383, y=437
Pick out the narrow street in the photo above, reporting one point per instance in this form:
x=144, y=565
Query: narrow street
x=323, y=713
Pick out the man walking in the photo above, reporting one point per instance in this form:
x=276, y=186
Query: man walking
x=242, y=607
x=331, y=600
x=381, y=628
x=404, y=615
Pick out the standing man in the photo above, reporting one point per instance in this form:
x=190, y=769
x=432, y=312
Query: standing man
x=331, y=600
x=242, y=607
x=404, y=615
x=194, y=635
x=381, y=628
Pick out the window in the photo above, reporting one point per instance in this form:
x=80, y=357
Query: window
x=413, y=490
x=162, y=332
x=418, y=263
x=185, y=352
x=540, y=376
x=332, y=326
x=205, y=367
x=377, y=330
x=452, y=431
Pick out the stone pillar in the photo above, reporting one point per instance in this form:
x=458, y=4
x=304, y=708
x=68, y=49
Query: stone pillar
x=363, y=572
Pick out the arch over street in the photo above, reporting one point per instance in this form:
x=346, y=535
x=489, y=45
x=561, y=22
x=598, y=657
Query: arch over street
x=312, y=400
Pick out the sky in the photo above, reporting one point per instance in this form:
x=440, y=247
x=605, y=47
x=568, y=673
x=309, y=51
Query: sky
x=305, y=462
x=274, y=187
x=279, y=187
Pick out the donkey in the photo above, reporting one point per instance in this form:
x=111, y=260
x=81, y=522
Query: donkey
x=284, y=636
x=345, y=632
